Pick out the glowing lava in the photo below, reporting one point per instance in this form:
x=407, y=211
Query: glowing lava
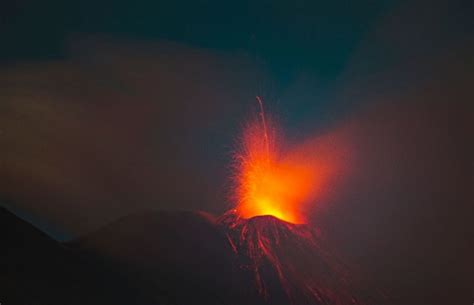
x=289, y=262
x=271, y=181
x=276, y=186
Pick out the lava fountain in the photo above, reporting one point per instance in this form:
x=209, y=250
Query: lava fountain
x=275, y=188
x=279, y=181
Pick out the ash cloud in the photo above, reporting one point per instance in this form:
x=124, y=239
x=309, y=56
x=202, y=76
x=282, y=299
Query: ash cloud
x=404, y=213
x=119, y=126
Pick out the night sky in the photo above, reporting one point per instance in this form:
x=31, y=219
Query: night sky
x=113, y=107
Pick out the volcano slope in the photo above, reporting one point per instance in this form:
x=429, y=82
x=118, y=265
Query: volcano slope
x=36, y=269
x=171, y=258
x=194, y=258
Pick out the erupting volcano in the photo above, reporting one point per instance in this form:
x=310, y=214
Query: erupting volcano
x=268, y=229
x=265, y=250
x=278, y=180
x=267, y=183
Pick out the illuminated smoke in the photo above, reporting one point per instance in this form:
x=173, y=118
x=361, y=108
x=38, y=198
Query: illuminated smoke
x=275, y=179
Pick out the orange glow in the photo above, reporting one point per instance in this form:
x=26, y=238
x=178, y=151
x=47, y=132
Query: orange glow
x=278, y=182
x=273, y=187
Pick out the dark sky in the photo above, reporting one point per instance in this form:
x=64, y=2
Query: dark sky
x=295, y=42
x=109, y=107
x=290, y=37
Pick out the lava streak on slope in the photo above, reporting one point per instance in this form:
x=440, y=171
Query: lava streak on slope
x=288, y=262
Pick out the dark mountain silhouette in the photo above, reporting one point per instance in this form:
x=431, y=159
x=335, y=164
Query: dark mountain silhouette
x=36, y=269
x=26, y=252
x=177, y=257
x=170, y=258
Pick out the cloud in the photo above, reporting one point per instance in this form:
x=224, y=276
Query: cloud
x=403, y=211
x=119, y=126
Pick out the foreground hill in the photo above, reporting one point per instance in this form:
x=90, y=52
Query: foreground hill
x=171, y=258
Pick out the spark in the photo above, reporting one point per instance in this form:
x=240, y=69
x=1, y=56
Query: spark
x=269, y=180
